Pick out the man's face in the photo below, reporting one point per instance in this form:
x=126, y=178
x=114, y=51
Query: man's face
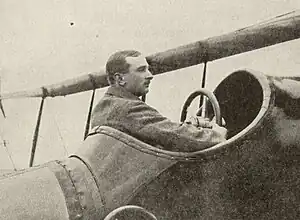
x=138, y=77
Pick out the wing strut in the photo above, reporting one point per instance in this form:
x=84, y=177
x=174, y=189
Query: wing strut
x=202, y=108
x=88, y=120
x=37, y=128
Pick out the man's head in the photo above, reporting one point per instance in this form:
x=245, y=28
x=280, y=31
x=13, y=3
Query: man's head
x=129, y=69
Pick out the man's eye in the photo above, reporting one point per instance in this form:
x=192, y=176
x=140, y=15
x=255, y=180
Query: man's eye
x=142, y=69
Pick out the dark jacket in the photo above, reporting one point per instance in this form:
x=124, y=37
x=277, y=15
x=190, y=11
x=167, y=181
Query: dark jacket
x=123, y=111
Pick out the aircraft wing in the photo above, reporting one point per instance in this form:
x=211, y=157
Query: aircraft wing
x=280, y=29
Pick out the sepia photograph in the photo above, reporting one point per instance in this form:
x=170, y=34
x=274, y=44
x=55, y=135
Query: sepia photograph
x=149, y=110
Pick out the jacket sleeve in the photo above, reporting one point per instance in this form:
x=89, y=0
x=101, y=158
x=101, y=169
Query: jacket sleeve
x=146, y=123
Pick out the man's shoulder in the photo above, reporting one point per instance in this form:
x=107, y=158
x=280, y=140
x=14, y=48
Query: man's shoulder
x=118, y=103
x=119, y=100
x=110, y=109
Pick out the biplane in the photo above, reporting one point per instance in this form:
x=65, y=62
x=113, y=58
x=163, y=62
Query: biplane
x=254, y=174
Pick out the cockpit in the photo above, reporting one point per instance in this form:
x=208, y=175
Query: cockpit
x=241, y=97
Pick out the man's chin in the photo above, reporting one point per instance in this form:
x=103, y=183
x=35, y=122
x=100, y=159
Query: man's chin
x=146, y=91
x=143, y=93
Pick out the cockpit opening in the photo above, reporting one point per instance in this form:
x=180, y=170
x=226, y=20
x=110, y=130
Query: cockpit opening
x=241, y=97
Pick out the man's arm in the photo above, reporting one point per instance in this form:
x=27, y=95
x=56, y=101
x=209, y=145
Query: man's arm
x=147, y=124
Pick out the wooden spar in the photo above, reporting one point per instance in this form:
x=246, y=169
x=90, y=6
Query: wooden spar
x=70, y=86
x=280, y=29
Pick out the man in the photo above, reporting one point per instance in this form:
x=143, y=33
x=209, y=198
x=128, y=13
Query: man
x=120, y=108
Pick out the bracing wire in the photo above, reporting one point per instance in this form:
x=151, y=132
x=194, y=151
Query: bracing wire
x=4, y=143
x=59, y=132
x=61, y=137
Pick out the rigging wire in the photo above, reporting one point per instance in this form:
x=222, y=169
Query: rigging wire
x=4, y=143
x=59, y=132
x=1, y=105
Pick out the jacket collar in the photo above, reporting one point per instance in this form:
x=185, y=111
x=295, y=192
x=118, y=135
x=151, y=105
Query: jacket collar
x=120, y=92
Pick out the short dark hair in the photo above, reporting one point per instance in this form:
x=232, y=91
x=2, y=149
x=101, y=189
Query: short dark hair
x=116, y=63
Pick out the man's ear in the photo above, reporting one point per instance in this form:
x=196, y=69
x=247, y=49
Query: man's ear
x=119, y=79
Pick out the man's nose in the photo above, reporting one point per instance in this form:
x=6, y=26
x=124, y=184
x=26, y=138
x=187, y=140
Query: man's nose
x=149, y=75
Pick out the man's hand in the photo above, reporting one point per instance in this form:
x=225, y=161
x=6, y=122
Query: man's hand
x=223, y=121
x=200, y=122
x=206, y=123
x=220, y=129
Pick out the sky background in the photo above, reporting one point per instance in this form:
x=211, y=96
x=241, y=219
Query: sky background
x=47, y=41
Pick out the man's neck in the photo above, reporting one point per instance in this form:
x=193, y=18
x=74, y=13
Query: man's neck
x=121, y=92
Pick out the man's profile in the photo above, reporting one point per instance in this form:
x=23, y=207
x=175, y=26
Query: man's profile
x=121, y=108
